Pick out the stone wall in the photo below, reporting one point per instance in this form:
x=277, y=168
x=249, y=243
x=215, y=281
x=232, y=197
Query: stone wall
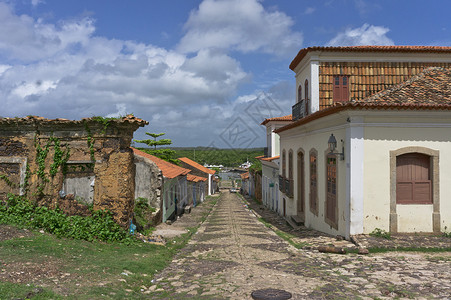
x=64, y=163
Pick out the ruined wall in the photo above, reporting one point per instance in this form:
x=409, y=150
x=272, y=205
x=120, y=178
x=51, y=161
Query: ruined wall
x=148, y=181
x=70, y=164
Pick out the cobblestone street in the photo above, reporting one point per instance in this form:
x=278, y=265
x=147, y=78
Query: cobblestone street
x=234, y=254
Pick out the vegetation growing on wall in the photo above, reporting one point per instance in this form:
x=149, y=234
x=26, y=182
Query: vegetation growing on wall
x=60, y=158
x=17, y=210
x=6, y=180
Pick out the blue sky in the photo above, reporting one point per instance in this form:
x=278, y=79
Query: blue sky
x=205, y=72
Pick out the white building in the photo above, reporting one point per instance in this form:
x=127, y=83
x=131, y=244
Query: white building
x=370, y=145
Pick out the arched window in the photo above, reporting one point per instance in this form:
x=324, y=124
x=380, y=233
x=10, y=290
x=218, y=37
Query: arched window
x=306, y=97
x=299, y=93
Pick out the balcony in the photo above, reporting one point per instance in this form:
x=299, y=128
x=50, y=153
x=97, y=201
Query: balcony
x=298, y=110
x=286, y=186
x=281, y=184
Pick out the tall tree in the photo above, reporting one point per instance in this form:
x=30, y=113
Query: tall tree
x=165, y=154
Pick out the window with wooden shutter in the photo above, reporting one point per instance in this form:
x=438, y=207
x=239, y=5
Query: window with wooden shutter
x=313, y=183
x=341, y=88
x=413, y=179
x=331, y=213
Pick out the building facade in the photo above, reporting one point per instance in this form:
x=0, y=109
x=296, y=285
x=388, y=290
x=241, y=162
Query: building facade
x=357, y=158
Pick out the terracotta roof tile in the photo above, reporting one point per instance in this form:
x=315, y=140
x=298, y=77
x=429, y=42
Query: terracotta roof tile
x=169, y=170
x=270, y=158
x=429, y=90
x=196, y=165
x=195, y=178
x=432, y=86
x=287, y=118
x=244, y=175
x=428, y=49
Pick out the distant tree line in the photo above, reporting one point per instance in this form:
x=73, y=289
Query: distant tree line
x=216, y=156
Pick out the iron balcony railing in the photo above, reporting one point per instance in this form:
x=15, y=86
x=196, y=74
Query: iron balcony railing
x=298, y=110
x=281, y=184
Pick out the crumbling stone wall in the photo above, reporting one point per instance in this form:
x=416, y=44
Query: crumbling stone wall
x=149, y=181
x=49, y=153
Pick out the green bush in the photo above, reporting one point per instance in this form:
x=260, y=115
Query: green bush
x=100, y=225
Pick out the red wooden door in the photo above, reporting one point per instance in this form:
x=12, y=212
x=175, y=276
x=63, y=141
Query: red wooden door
x=413, y=179
x=331, y=197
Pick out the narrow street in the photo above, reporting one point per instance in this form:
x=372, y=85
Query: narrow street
x=234, y=254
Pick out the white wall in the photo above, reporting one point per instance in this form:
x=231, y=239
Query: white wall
x=379, y=141
x=316, y=138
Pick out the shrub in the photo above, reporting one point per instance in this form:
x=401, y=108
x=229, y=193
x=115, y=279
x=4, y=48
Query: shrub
x=100, y=225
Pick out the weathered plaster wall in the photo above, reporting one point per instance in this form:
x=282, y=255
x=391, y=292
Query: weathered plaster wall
x=83, y=158
x=148, y=181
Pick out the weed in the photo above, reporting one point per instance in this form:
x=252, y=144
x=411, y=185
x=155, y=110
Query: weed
x=377, y=232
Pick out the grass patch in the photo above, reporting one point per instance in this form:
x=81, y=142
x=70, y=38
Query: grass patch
x=84, y=270
x=284, y=235
x=407, y=249
x=99, y=268
x=23, y=291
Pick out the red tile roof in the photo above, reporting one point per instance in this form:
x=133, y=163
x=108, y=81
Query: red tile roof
x=244, y=175
x=169, y=170
x=429, y=90
x=270, y=158
x=196, y=165
x=195, y=178
x=428, y=49
x=287, y=118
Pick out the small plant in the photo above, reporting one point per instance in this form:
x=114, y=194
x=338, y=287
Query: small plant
x=143, y=215
x=377, y=232
x=447, y=233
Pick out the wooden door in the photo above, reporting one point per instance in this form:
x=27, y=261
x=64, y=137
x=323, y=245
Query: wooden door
x=413, y=179
x=301, y=187
x=331, y=197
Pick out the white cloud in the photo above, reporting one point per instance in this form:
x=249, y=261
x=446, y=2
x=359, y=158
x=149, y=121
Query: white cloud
x=365, y=35
x=36, y=2
x=68, y=71
x=242, y=25
x=309, y=10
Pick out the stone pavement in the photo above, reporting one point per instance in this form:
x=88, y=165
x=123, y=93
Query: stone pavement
x=234, y=254
x=313, y=239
